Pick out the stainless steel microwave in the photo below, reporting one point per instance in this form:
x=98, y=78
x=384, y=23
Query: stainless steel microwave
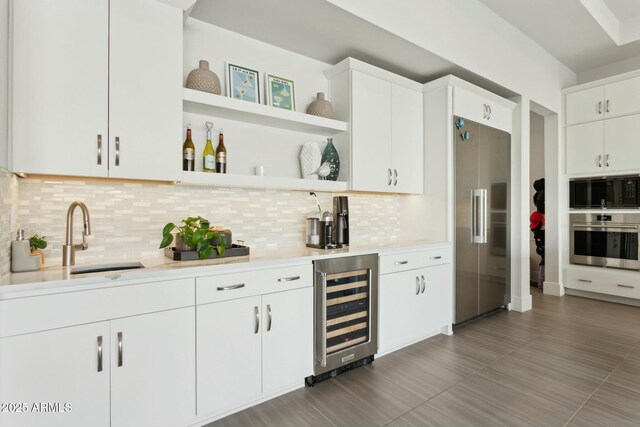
x=605, y=240
x=618, y=192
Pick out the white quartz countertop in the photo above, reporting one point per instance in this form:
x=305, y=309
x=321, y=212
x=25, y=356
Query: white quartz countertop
x=55, y=279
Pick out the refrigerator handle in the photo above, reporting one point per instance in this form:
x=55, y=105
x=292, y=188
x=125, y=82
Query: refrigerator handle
x=483, y=215
x=476, y=215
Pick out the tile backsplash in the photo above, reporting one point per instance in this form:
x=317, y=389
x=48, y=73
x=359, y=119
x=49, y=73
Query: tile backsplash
x=127, y=217
x=8, y=218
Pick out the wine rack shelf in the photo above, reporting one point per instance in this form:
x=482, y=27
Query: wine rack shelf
x=251, y=181
x=204, y=103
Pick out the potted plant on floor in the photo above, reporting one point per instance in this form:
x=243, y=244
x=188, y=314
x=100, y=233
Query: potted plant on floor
x=194, y=233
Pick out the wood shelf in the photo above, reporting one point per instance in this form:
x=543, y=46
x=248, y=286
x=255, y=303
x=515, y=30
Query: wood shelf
x=251, y=181
x=204, y=103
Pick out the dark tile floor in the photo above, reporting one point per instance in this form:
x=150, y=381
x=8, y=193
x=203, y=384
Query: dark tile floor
x=569, y=362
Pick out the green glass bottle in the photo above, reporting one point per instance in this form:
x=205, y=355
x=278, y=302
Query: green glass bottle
x=330, y=155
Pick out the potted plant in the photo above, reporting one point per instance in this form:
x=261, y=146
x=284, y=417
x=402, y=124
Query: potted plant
x=38, y=243
x=195, y=233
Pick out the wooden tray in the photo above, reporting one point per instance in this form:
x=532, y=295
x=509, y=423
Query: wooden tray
x=235, y=250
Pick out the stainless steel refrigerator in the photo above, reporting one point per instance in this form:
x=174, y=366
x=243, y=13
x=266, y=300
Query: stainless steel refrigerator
x=482, y=170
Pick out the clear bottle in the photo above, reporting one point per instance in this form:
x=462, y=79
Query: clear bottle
x=221, y=155
x=208, y=155
x=188, y=152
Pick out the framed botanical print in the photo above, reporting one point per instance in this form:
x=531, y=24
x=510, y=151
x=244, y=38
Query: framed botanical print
x=280, y=93
x=243, y=83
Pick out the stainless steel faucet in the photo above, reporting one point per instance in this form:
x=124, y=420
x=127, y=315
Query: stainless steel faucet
x=69, y=249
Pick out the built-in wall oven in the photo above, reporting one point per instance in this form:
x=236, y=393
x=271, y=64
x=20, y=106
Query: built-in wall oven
x=346, y=314
x=605, y=240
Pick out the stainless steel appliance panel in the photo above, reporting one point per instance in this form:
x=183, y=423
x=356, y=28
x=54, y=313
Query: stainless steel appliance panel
x=482, y=171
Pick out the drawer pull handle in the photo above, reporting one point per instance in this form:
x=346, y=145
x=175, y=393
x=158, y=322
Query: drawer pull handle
x=288, y=279
x=436, y=257
x=626, y=286
x=100, y=353
x=231, y=287
x=585, y=280
x=401, y=262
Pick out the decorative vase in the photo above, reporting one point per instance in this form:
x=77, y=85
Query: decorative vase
x=204, y=79
x=320, y=107
x=330, y=156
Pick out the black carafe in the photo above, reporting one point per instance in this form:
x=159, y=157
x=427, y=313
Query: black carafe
x=341, y=220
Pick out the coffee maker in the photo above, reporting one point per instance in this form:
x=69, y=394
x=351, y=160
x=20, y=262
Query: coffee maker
x=341, y=220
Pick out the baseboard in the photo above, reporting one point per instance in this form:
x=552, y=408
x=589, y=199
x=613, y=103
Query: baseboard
x=603, y=297
x=521, y=304
x=552, y=288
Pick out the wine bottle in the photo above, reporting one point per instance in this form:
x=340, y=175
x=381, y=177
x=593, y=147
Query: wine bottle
x=188, y=152
x=208, y=156
x=221, y=155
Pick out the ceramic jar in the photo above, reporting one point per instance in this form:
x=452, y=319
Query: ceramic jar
x=320, y=107
x=204, y=79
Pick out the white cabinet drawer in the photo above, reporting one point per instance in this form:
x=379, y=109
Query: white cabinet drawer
x=475, y=107
x=25, y=315
x=393, y=263
x=603, y=281
x=224, y=287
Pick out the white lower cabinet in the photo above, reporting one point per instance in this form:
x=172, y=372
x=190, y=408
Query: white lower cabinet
x=253, y=347
x=136, y=371
x=59, y=367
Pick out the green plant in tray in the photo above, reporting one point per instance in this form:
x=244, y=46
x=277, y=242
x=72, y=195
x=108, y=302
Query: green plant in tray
x=197, y=233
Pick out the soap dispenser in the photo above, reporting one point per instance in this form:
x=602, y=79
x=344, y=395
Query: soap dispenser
x=21, y=257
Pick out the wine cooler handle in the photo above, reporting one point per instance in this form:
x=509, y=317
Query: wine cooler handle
x=257, y=328
x=100, y=353
x=417, y=285
x=270, y=317
x=120, y=355
x=117, y=151
x=323, y=295
x=424, y=283
x=99, y=150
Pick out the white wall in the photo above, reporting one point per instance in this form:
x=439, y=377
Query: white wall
x=4, y=85
x=536, y=171
x=609, y=70
x=472, y=36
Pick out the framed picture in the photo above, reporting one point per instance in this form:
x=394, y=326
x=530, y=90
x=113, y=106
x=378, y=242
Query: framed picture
x=243, y=83
x=280, y=93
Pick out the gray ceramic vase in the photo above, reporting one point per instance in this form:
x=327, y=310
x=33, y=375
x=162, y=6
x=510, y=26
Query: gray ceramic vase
x=321, y=107
x=202, y=78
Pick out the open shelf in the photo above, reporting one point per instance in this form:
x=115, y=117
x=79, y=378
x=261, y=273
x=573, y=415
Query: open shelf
x=251, y=181
x=208, y=104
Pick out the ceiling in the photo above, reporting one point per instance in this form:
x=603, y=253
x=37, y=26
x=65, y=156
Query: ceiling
x=582, y=34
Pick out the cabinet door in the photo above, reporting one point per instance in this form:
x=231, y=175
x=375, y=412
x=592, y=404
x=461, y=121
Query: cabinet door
x=407, y=141
x=585, y=148
x=229, y=354
x=477, y=108
x=439, y=295
x=401, y=316
x=60, y=367
x=370, y=133
x=153, y=369
x=584, y=106
x=60, y=87
x=622, y=97
x=287, y=339
x=621, y=149
x=145, y=77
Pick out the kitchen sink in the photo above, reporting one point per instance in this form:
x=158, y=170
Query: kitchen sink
x=101, y=268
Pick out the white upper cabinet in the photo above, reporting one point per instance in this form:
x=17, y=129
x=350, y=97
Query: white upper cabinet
x=60, y=87
x=585, y=148
x=97, y=88
x=385, y=142
x=606, y=101
x=622, y=153
x=475, y=107
x=145, y=84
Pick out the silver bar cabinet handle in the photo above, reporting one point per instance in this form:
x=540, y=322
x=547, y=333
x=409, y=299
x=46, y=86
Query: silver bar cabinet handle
x=231, y=287
x=424, y=283
x=626, y=286
x=389, y=182
x=270, y=317
x=395, y=177
x=417, y=285
x=288, y=279
x=437, y=257
x=117, y=151
x=599, y=160
x=100, y=353
x=120, y=356
x=401, y=262
x=489, y=115
x=600, y=107
x=99, y=150
x=606, y=108
x=257, y=328
x=585, y=280
x=323, y=350
x=606, y=160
